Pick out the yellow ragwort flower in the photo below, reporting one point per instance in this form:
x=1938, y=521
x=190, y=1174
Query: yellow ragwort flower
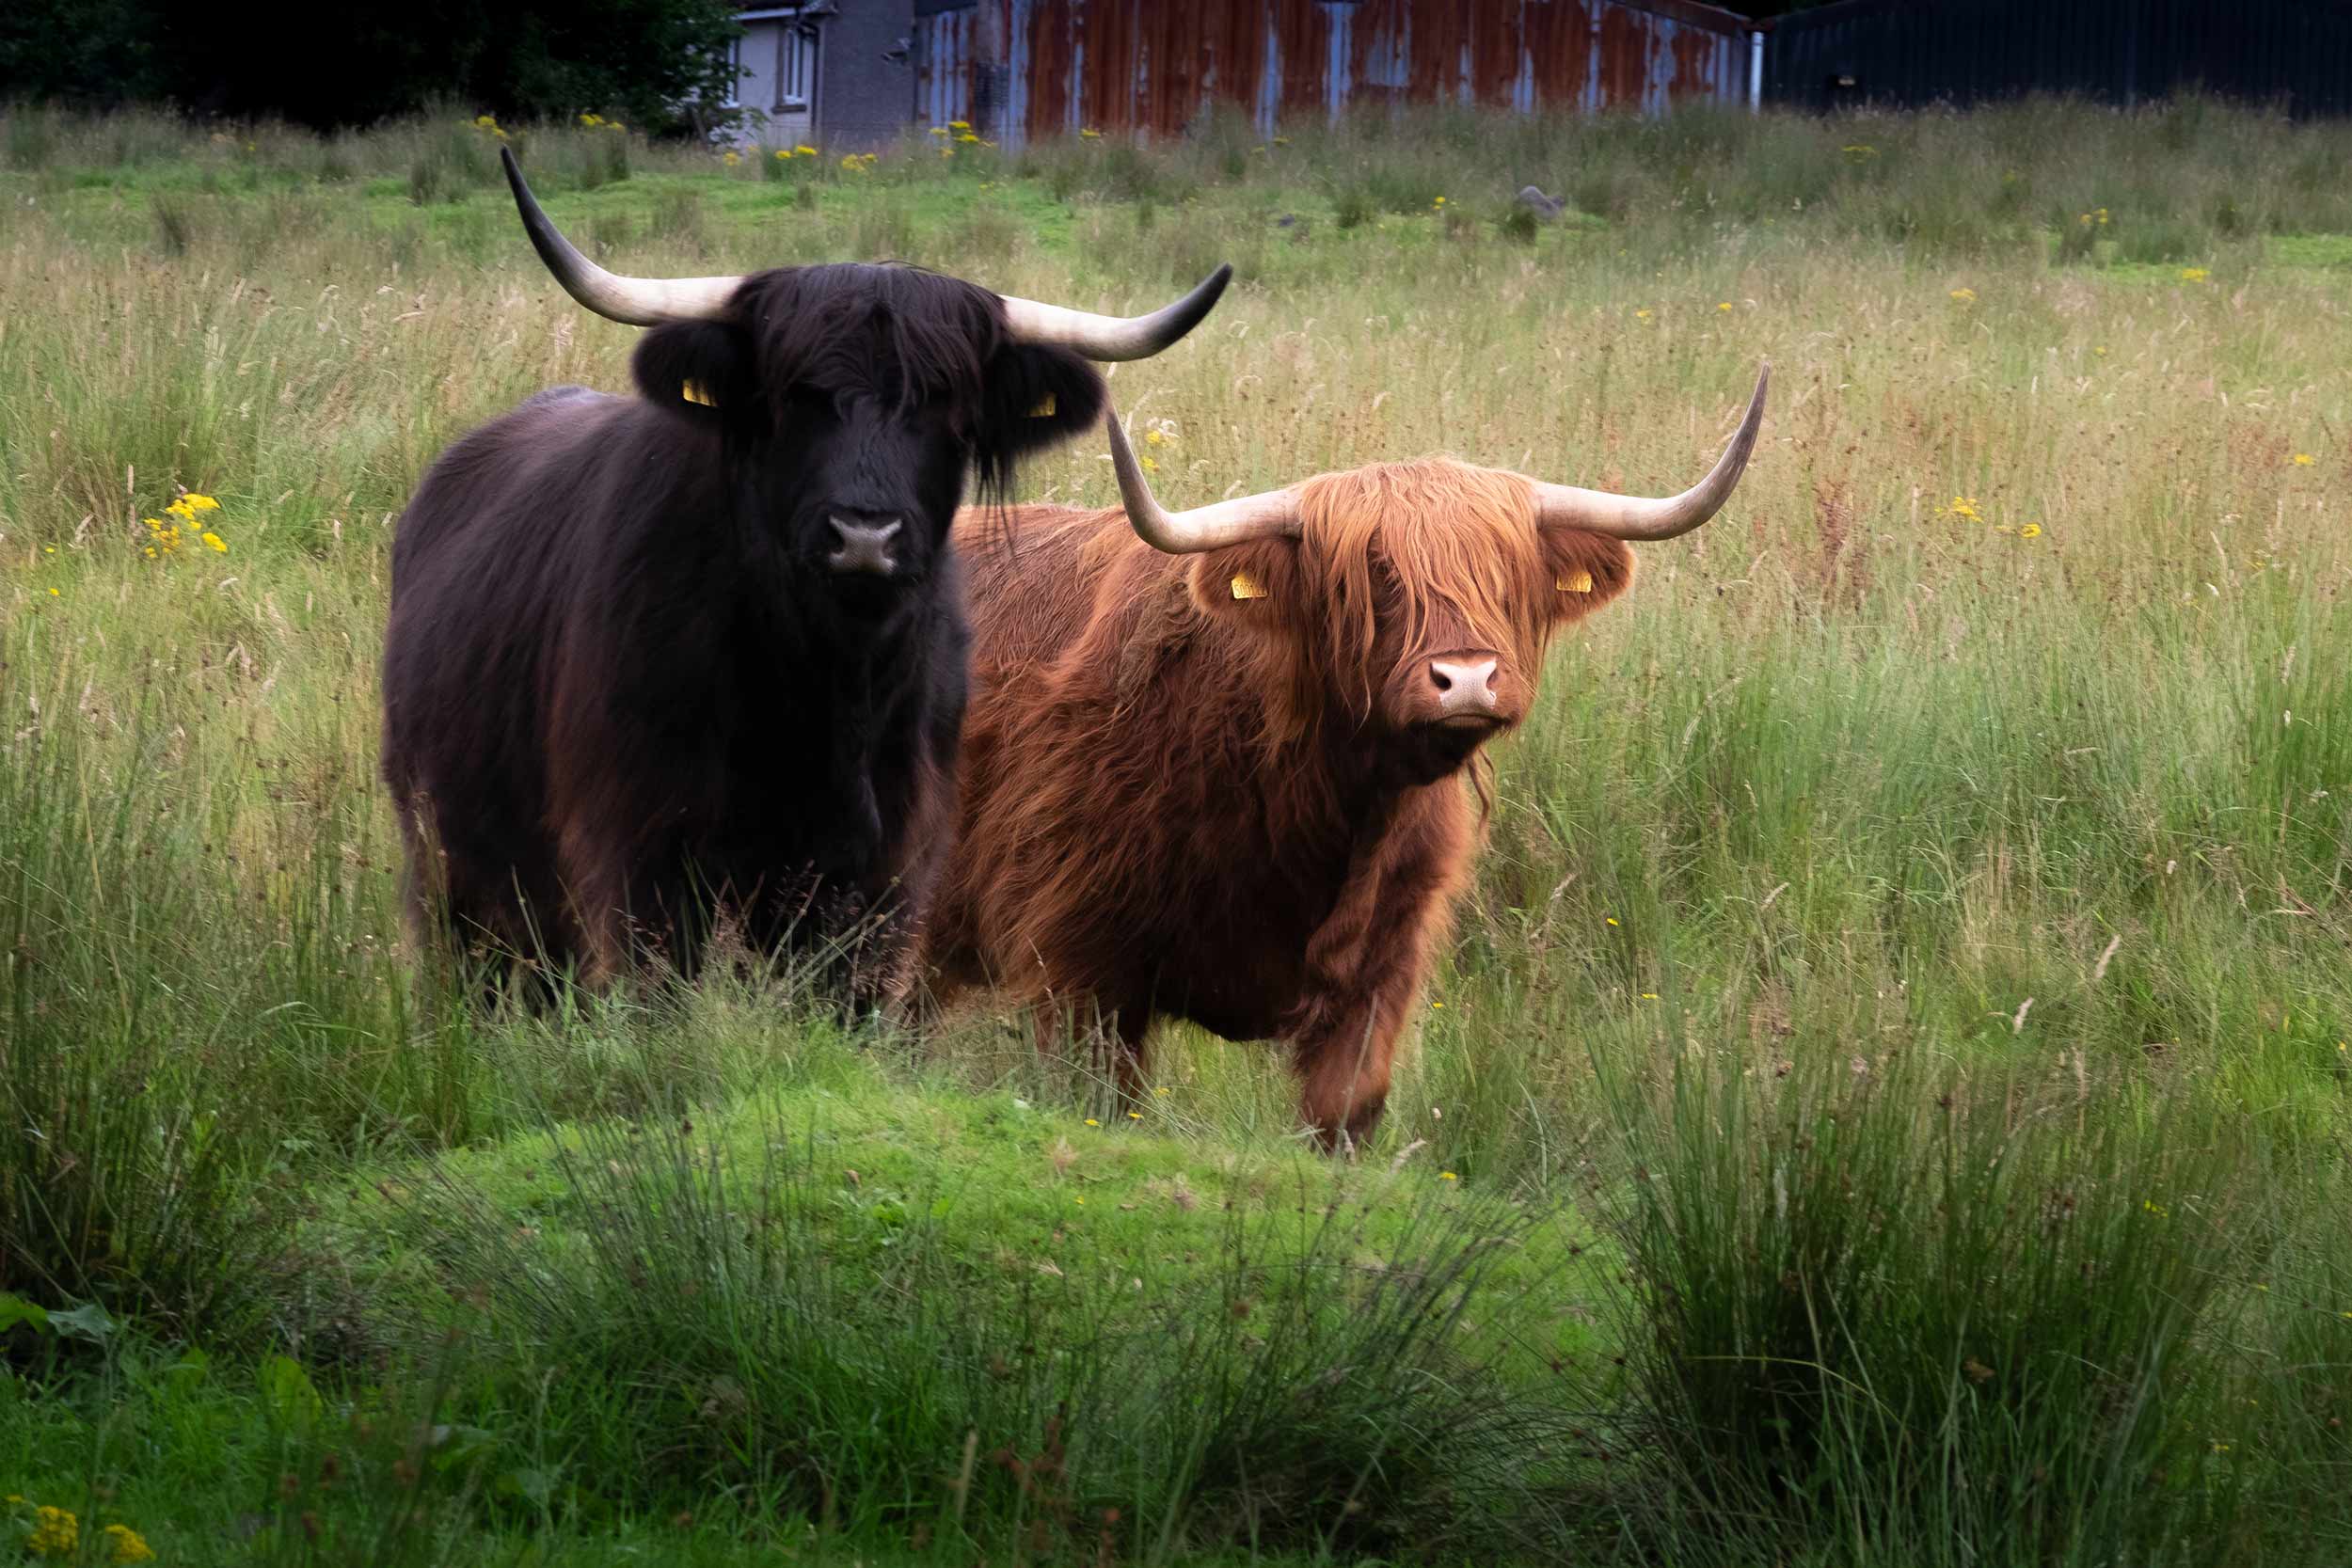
x=2304, y=460
x=1154, y=438
x=214, y=543
x=1091, y=1122
x=784, y=152
x=592, y=122
x=196, y=504
x=967, y=136
x=730, y=158
x=805, y=150
x=1150, y=466
x=126, y=1545
x=1966, y=296
x=56, y=1532
x=2031, y=531
x=1447, y=1176
x=1725, y=305
x=959, y=125
x=1643, y=315
x=2194, y=275
x=1089, y=134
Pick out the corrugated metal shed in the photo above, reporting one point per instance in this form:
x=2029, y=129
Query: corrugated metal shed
x=1150, y=67
x=1912, y=53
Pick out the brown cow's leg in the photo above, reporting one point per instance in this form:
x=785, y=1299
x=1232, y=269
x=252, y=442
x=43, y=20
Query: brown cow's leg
x=1346, y=1075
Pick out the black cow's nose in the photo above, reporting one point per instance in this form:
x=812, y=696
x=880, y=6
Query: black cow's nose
x=865, y=547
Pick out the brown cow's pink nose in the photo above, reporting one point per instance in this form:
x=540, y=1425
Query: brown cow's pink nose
x=1466, y=687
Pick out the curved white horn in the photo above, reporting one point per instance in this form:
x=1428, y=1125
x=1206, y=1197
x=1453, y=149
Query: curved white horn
x=1114, y=337
x=638, y=301
x=1639, y=516
x=1203, y=528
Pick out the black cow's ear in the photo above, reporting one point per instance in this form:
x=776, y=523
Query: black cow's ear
x=1031, y=398
x=701, y=369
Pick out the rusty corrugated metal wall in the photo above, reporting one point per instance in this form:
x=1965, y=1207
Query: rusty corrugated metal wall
x=1150, y=66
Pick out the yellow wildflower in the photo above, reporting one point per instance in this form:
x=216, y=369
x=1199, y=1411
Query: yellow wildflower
x=2194, y=275
x=946, y=152
x=967, y=136
x=2031, y=531
x=1091, y=1122
x=212, y=541
x=1860, y=149
x=1440, y=202
x=1282, y=141
x=2100, y=350
x=592, y=122
x=1447, y=1176
x=182, y=510
x=1965, y=508
x=196, y=504
x=126, y=1545
x=1611, y=918
x=785, y=152
x=939, y=130
x=1154, y=438
x=485, y=122
x=615, y=125
x=1725, y=305
x=1649, y=996
x=1965, y=296
x=1150, y=466
x=1437, y=1006
x=53, y=594
x=959, y=125
x=2304, y=460
x=56, y=1532
x=1135, y=1116
x=1643, y=315
x=730, y=158
x=1163, y=1089
x=1089, y=134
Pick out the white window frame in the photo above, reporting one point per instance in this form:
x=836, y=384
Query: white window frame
x=796, y=57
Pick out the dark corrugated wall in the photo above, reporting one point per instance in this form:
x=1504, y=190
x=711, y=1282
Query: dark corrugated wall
x=1150, y=66
x=1912, y=53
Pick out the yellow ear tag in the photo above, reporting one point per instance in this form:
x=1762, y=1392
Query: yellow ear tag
x=693, y=392
x=1043, y=410
x=1580, y=583
x=1247, y=587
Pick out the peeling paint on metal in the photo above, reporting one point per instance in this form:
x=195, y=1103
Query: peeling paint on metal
x=1151, y=69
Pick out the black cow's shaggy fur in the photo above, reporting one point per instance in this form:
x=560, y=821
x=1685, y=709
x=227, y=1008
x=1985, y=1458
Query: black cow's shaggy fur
x=623, y=691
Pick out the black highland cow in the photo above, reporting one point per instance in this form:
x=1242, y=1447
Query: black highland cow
x=652, y=659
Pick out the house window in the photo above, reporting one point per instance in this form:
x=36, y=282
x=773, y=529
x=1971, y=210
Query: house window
x=796, y=68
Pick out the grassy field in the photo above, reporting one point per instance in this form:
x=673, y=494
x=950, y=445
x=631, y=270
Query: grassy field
x=1887, y=1104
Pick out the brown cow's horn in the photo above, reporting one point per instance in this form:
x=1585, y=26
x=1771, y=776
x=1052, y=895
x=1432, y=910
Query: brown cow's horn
x=638, y=301
x=1114, y=337
x=1203, y=528
x=1640, y=517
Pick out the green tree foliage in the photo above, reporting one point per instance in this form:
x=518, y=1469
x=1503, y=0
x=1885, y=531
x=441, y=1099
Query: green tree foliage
x=360, y=61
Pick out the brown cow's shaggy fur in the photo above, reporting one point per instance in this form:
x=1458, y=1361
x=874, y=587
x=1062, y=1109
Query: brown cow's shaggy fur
x=1233, y=809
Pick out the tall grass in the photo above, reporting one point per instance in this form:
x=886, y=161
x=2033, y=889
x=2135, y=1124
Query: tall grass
x=1912, y=927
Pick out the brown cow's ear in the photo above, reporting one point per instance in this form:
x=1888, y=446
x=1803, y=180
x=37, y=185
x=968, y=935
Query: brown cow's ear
x=1586, y=571
x=700, y=368
x=1254, y=585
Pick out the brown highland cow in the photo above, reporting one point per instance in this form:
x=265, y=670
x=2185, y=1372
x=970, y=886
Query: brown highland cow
x=1214, y=762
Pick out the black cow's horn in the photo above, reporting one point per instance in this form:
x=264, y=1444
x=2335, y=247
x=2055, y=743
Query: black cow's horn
x=638, y=301
x=1204, y=528
x=650, y=301
x=1114, y=337
x=1640, y=517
